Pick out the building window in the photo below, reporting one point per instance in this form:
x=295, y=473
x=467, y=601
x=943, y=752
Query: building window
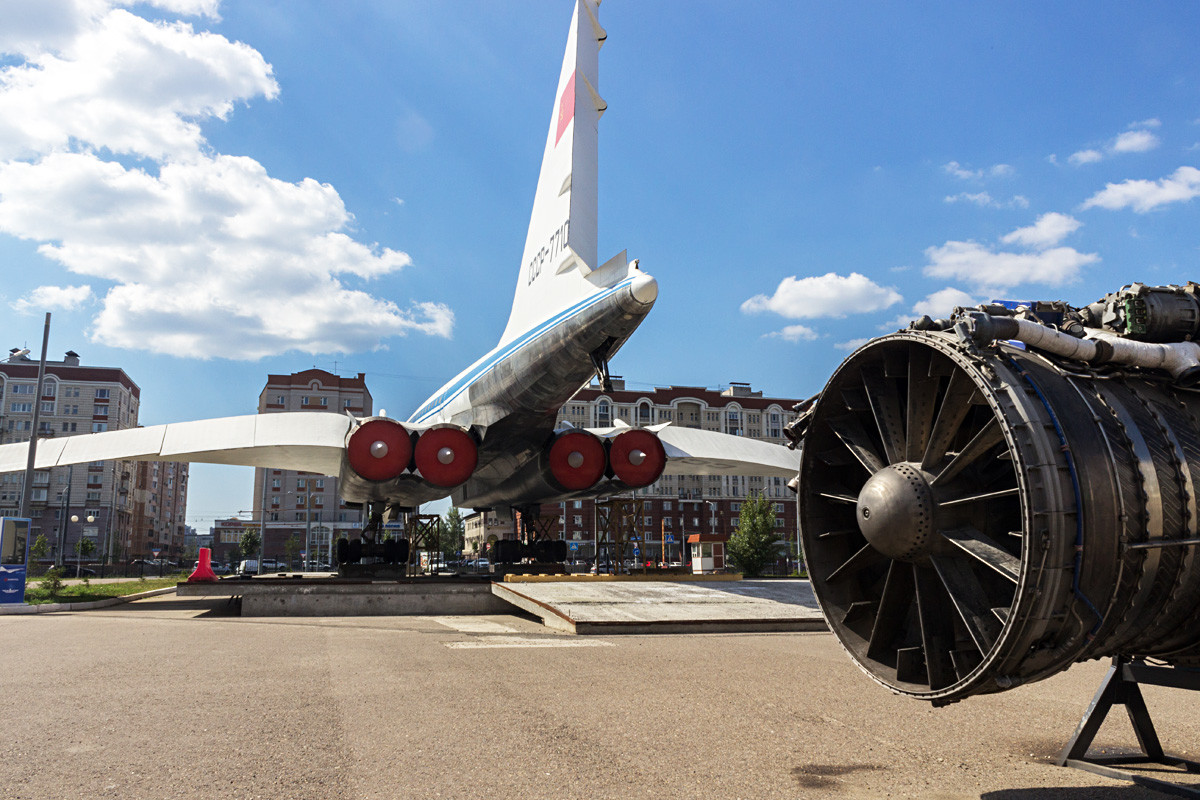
x=102, y=394
x=666, y=505
x=303, y=401
x=21, y=408
x=99, y=427
x=47, y=406
x=321, y=401
x=100, y=411
x=275, y=483
x=23, y=388
x=279, y=399
x=301, y=484
x=319, y=483
x=578, y=521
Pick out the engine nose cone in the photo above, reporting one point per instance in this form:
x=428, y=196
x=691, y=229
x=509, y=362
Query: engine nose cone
x=644, y=289
x=895, y=512
x=445, y=455
x=379, y=449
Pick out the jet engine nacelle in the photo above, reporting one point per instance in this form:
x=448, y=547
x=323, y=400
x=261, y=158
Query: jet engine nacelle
x=578, y=463
x=386, y=461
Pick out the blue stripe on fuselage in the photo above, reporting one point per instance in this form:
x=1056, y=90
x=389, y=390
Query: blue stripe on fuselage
x=498, y=355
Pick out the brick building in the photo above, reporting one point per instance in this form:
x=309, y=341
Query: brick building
x=676, y=505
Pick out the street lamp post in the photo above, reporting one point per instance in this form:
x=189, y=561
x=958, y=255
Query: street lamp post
x=78, y=549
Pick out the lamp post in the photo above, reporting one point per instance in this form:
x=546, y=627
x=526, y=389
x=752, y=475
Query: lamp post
x=78, y=549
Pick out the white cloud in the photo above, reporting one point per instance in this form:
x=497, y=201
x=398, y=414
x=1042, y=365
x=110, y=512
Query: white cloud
x=938, y=305
x=1143, y=196
x=988, y=269
x=828, y=295
x=964, y=173
x=795, y=333
x=853, y=344
x=985, y=200
x=206, y=253
x=1135, y=142
x=1138, y=139
x=944, y=301
x=1049, y=230
x=48, y=298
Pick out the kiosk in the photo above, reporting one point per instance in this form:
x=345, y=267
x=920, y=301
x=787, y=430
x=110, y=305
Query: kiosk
x=14, y=558
x=708, y=552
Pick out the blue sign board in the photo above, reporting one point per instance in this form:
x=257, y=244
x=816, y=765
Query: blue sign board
x=14, y=558
x=636, y=552
x=670, y=538
x=573, y=546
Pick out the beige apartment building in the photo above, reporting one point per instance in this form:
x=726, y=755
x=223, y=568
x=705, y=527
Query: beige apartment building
x=302, y=508
x=125, y=508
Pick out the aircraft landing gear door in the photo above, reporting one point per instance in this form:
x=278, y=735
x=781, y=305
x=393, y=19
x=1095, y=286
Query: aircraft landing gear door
x=14, y=558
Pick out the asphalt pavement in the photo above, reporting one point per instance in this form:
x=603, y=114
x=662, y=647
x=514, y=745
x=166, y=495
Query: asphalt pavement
x=176, y=697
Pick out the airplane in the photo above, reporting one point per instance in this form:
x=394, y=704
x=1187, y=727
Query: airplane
x=487, y=438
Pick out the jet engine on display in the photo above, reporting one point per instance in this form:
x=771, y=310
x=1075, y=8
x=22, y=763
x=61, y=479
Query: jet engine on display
x=986, y=499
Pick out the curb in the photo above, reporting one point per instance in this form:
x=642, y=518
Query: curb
x=50, y=608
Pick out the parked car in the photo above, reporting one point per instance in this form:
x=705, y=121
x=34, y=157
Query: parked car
x=248, y=567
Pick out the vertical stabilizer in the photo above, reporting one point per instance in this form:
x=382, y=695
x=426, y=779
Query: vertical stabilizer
x=560, y=247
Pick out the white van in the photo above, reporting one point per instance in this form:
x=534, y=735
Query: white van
x=248, y=567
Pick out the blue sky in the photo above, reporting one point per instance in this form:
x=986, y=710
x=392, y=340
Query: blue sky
x=206, y=193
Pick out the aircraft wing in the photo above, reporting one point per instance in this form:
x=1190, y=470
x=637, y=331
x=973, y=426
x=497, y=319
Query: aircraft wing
x=308, y=441
x=691, y=451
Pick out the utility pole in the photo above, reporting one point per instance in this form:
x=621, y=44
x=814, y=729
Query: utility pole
x=27, y=489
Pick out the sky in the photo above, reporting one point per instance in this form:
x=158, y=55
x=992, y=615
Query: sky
x=205, y=192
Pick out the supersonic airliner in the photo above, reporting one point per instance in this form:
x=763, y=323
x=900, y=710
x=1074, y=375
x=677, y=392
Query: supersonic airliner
x=487, y=438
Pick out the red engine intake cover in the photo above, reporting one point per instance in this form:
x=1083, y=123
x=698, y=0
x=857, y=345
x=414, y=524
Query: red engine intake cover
x=379, y=450
x=445, y=456
x=637, y=458
x=577, y=460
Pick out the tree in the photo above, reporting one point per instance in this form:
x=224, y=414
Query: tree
x=83, y=548
x=290, y=548
x=250, y=543
x=38, y=551
x=453, y=533
x=754, y=544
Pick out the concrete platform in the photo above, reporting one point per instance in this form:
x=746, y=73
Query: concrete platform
x=592, y=607
x=580, y=605
x=323, y=597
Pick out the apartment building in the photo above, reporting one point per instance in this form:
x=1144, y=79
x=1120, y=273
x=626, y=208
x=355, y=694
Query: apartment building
x=298, y=506
x=127, y=509
x=679, y=504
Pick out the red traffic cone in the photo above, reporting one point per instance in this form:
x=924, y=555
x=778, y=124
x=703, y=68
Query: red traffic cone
x=204, y=572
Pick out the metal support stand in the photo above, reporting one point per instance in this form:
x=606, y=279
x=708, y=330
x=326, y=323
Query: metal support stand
x=1120, y=687
x=424, y=530
x=617, y=521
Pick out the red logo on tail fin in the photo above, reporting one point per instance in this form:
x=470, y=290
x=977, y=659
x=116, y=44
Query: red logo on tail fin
x=566, y=108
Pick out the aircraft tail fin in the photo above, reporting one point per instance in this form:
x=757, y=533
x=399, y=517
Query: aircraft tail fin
x=560, y=247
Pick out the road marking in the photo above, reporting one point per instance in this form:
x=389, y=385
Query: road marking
x=520, y=641
x=469, y=625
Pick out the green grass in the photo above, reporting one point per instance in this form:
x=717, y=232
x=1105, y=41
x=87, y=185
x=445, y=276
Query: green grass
x=85, y=593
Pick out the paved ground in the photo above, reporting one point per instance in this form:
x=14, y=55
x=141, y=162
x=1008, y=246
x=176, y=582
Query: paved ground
x=171, y=698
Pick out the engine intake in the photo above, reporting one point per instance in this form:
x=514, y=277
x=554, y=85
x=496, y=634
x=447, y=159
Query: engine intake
x=446, y=456
x=637, y=458
x=379, y=450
